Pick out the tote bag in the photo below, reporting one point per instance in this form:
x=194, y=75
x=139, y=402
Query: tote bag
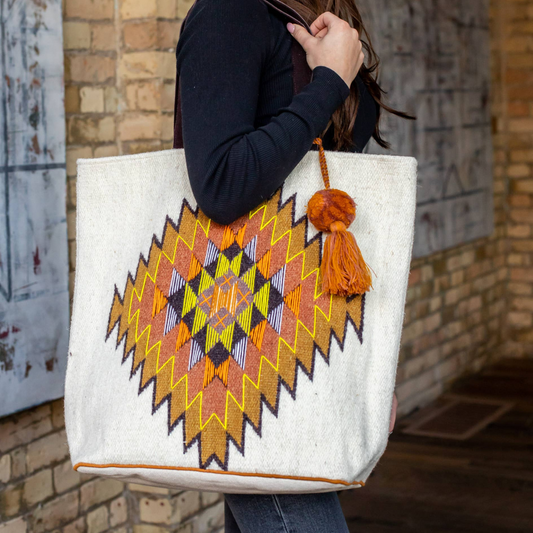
x=277, y=386
x=207, y=357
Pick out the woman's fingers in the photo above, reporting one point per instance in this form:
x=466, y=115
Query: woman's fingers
x=321, y=33
x=332, y=43
x=301, y=35
x=323, y=21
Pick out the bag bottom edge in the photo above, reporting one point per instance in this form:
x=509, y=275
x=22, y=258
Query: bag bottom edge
x=208, y=480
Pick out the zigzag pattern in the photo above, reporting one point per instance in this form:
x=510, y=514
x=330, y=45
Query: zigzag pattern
x=219, y=318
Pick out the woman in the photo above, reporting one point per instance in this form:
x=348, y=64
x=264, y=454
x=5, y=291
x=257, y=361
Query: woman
x=244, y=130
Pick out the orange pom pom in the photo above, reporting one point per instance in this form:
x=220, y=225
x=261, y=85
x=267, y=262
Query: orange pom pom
x=328, y=206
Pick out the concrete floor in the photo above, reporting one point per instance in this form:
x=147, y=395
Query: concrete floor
x=481, y=484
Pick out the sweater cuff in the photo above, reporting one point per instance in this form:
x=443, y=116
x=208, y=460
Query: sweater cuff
x=330, y=78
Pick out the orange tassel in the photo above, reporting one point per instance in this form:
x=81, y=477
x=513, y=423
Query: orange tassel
x=344, y=271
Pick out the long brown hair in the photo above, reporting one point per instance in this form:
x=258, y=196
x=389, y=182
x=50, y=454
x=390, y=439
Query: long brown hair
x=344, y=118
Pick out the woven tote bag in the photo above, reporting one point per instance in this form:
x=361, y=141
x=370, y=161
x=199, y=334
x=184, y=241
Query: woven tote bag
x=209, y=357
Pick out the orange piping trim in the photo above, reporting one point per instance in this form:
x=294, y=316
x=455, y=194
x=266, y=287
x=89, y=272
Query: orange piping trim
x=245, y=474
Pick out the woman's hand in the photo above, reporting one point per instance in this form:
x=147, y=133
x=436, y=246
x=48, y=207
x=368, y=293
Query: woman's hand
x=393, y=413
x=334, y=44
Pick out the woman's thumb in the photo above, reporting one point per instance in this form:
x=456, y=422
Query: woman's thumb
x=300, y=34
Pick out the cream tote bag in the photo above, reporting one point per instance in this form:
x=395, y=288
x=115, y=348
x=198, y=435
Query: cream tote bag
x=207, y=357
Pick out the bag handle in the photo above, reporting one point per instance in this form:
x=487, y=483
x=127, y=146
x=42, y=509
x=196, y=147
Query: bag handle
x=301, y=71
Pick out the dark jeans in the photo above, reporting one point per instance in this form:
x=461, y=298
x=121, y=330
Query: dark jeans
x=284, y=513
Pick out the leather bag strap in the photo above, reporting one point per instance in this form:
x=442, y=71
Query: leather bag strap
x=301, y=71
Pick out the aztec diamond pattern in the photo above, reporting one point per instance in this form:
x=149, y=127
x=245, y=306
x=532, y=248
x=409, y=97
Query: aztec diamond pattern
x=220, y=317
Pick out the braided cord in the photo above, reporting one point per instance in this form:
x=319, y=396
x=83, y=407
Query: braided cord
x=323, y=164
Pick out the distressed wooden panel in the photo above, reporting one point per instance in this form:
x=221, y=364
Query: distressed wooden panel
x=34, y=300
x=435, y=65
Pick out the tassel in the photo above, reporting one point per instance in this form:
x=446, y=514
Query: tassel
x=344, y=271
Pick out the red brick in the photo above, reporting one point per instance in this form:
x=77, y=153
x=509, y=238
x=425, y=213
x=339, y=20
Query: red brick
x=141, y=35
x=522, y=246
x=24, y=427
x=168, y=33
x=518, y=109
x=47, y=450
x=521, y=215
x=519, y=231
x=520, y=320
x=520, y=170
x=522, y=156
x=98, y=491
x=55, y=513
x=513, y=76
x=523, y=26
x=89, y=9
x=521, y=125
x=89, y=68
x=522, y=274
x=103, y=36
x=522, y=185
x=17, y=525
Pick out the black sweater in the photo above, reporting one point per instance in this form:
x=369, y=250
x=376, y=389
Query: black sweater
x=243, y=129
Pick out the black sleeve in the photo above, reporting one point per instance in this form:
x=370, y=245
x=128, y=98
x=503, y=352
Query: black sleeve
x=232, y=165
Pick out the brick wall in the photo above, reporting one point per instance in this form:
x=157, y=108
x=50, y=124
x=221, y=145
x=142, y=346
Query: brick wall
x=119, y=98
x=465, y=305
x=474, y=303
x=513, y=87
x=119, y=81
x=40, y=492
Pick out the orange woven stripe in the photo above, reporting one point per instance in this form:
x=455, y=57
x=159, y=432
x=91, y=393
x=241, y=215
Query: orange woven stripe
x=263, y=264
x=228, y=238
x=218, y=294
x=239, y=238
x=293, y=300
x=194, y=268
x=183, y=335
x=244, y=474
x=159, y=301
x=209, y=372
x=257, y=334
x=223, y=371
